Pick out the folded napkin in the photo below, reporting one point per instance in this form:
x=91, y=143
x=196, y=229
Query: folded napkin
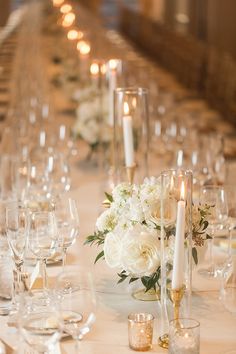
x=6, y=277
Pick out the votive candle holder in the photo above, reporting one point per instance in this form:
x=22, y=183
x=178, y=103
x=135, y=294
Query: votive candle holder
x=140, y=328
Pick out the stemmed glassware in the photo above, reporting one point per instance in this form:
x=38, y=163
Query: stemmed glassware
x=17, y=227
x=40, y=321
x=43, y=238
x=76, y=292
x=58, y=174
x=67, y=218
x=215, y=197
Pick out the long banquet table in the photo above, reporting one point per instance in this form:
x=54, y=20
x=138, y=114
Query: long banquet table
x=109, y=334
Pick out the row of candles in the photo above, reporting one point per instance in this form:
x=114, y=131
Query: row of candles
x=114, y=66
x=98, y=69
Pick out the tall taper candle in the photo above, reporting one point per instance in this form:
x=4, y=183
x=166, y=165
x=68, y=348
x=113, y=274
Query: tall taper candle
x=128, y=140
x=178, y=264
x=112, y=86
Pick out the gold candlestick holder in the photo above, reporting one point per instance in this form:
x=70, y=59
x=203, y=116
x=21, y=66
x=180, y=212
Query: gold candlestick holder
x=130, y=171
x=176, y=296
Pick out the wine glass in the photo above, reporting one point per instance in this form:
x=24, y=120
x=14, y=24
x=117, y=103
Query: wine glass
x=39, y=321
x=76, y=292
x=231, y=198
x=58, y=174
x=67, y=217
x=43, y=238
x=228, y=285
x=215, y=197
x=17, y=227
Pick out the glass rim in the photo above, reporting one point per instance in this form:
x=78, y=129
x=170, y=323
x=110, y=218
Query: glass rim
x=196, y=322
x=213, y=186
x=177, y=172
x=131, y=90
x=148, y=317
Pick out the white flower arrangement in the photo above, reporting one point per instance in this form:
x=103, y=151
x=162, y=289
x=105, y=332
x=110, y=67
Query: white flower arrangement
x=129, y=232
x=92, y=121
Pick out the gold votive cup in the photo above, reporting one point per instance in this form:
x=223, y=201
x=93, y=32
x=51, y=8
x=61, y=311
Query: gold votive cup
x=140, y=329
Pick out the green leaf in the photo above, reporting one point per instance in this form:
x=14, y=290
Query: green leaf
x=194, y=254
x=109, y=197
x=122, y=276
x=132, y=280
x=90, y=239
x=100, y=255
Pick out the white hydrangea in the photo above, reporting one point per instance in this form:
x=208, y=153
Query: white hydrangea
x=150, y=192
x=121, y=193
x=107, y=221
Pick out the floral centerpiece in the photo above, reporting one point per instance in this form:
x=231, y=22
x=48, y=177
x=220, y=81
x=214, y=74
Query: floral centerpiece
x=91, y=123
x=129, y=232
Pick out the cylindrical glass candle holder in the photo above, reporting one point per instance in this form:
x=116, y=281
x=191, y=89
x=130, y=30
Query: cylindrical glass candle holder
x=140, y=327
x=131, y=133
x=113, y=74
x=176, y=246
x=184, y=336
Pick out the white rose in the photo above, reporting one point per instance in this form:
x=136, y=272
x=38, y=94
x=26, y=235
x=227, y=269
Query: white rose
x=140, y=254
x=112, y=249
x=107, y=221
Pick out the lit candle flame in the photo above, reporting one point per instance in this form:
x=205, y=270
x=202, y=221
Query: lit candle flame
x=113, y=64
x=65, y=8
x=72, y=35
x=83, y=47
x=57, y=3
x=182, y=191
x=126, y=108
x=103, y=69
x=94, y=69
x=68, y=20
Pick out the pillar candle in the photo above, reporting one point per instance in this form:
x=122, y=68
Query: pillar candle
x=128, y=141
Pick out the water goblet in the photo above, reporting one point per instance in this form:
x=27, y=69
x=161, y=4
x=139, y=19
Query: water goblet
x=215, y=197
x=67, y=217
x=76, y=292
x=228, y=285
x=39, y=321
x=43, y=238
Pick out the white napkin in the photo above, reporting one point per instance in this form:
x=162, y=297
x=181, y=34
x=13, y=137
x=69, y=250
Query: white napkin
x=6, y=277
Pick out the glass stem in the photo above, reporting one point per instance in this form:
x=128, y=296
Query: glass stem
x=43, y=266
x=64, y=258
x=77, y=346
x=211, y=253
x=18, y=275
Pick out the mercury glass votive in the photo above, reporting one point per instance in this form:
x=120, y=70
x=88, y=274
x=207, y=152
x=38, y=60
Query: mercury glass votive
x=140, y=328
x=184, y=336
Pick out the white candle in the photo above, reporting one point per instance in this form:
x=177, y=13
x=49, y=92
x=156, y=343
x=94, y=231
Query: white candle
x=112, y=65
x=84, y=49
x=94, y=71
x=178, y=264
x=112, y=87
x=128, y=141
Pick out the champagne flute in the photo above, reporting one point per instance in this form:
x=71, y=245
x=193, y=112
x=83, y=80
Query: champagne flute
x=40, y=321
x=76, y=292
x=17, y=227
x=67, y=217
x=214, y=196
x=43, y=238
